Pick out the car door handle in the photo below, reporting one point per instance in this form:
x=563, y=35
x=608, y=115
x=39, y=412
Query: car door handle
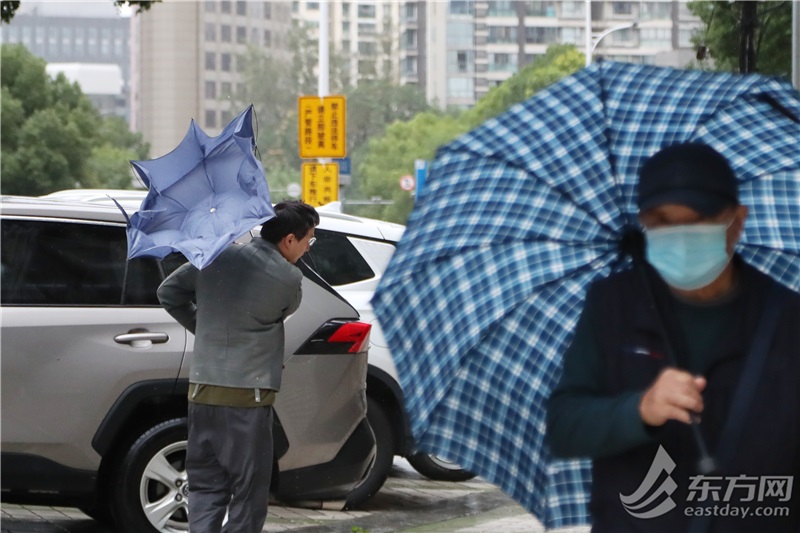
x=142, y=339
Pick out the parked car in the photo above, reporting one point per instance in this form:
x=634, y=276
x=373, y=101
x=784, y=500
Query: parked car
x=94, y=377
x=351, y=254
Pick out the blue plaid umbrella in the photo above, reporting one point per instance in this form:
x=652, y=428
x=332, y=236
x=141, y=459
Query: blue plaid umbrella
x=520, y=215
x=202, y=196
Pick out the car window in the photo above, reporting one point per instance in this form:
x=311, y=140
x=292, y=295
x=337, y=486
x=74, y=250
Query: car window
x=71, y=263
x=336, y=260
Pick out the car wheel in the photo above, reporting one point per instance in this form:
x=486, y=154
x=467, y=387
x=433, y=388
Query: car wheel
x=151, y=484
x=438, y=468
x=384, y=455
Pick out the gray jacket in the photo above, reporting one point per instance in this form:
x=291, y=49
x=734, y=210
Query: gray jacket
x=236, y=307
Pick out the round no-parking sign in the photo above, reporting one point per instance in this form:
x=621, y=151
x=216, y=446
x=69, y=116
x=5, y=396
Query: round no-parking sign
x=407, y=183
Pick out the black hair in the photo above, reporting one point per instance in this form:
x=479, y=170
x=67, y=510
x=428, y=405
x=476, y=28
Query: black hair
x=293, y=217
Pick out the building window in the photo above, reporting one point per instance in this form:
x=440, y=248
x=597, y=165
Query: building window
x=211, y=32
x=462, y=7
x=241, y=35
x=366, y=28
x=366, y=11
x=461, y=87
x=346, y=45
x=503, y=34
x=540, y=9
x=685, y=37
x=622, y=37
x=572, y=35
x=502, y=8
x=312, y=6
x=345, y=10
x=211, y=6
x=366, y=48
x=411, y=12
x=346, y=26
x=655, y=10
x=211, y=61
x=211, y=118
x=211, y=90
x=572, y=9
x=225, y=33
x=226, y=6
x=622, y=8
x=461, y=35
x=461, y=58
x=241, y=8
x=655, y=37
x=410, y=66
x=410, y=39
x=502, y=62
x=225, y=62
x=267, y=38
x=267, y=10
x=227, y=116
x=541, y=35
x=225, y=89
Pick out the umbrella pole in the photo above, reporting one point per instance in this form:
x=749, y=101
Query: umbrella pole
x=633, y=245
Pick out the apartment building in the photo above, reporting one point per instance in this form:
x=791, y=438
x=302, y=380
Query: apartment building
x=186, y=62
x=471, y=46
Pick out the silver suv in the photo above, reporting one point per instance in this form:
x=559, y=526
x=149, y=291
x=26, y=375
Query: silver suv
x=94, y=377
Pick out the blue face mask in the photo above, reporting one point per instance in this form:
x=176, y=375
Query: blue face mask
x=688, y=257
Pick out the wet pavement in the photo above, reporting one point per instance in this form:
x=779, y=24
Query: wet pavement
x=408, y=503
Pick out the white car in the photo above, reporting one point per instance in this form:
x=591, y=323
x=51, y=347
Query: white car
x=351, y=254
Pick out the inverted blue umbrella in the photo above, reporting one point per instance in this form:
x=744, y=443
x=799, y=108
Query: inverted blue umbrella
x=519, y=216
x=201, y=196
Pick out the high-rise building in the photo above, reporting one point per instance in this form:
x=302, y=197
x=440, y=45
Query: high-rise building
x=466, y=47
x=187, y=62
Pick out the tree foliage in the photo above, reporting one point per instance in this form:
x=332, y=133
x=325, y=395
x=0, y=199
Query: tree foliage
x=52, y=137
x=273, y=83
x=560, y=60
x=391, y=156
x=723, y=29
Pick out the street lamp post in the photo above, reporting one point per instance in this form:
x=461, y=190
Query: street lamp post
x=595, y=39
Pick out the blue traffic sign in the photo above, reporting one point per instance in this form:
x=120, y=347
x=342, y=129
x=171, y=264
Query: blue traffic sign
x=344, y=166
x=420, y=171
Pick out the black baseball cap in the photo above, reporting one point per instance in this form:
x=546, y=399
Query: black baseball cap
x=690, y=174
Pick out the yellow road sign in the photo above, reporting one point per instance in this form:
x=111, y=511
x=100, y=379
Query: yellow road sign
x=321, y=126
x=320, y=183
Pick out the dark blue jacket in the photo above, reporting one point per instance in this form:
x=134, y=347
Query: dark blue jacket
x=770, y=445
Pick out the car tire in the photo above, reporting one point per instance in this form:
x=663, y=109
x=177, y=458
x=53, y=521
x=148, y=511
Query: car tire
x=155, y=456
x=438, y=469
x=384, y=455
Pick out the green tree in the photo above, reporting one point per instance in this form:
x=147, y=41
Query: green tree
x=388, y=158
x=559, y=61
x=52, y=137
x=392, y=156
x=725, y=23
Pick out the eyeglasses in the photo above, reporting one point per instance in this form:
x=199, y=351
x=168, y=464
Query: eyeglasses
x=311, y=241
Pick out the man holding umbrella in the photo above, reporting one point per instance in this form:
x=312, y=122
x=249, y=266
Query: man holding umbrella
x=236, y=307
x=698, y=347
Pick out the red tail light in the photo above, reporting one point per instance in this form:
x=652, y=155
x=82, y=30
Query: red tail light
x=337, y=337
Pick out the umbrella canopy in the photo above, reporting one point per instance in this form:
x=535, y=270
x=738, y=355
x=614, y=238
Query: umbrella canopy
x=202, y=196
x=520, y=215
